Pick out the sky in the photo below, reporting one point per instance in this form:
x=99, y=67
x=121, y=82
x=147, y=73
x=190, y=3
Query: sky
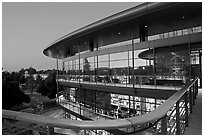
x=28, y=28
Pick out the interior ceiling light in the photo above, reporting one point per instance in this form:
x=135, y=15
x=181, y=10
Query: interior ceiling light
x=183, y=17
x=145, y=26
x=119, y=33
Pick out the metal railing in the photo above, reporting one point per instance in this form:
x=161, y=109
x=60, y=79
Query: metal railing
x=140, y=81
x=170, y=118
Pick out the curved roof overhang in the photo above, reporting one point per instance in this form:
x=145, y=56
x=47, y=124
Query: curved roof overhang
x=159, y=17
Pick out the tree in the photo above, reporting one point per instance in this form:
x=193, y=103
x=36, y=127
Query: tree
x=31, y=71
x=6, y=76
x=22, y=79
x=12, y=95
x=22, y=71
x=30, y=83
x=15, y=76
x=41, y=72
x=48, y=87
x=38, y=80
x=86, y=66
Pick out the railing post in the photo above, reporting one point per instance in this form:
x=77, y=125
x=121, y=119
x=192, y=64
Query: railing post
x=164, y=125
x=50, y=130
x=186, y=108
x=80, y=108
x=193, y=94
x=196, y=87
x=178, y=127
x=190, y=101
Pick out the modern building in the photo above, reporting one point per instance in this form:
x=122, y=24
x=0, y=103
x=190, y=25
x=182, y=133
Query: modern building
x=134, y=72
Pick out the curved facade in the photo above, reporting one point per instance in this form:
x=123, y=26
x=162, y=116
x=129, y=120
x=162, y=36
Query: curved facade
x=131, y=62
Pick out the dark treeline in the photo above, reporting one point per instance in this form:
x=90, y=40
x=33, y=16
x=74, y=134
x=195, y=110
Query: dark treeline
x=12, y=95
x=15, y=84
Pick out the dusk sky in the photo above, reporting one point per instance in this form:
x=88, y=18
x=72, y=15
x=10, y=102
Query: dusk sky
x=27, y=28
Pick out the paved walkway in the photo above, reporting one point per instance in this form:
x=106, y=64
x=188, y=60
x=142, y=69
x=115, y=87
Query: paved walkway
x=195, y=121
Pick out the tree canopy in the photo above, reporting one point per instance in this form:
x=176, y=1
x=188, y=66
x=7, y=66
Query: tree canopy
x=31, y=71
x=86, y=66
x=48, y=87
x=12, y=95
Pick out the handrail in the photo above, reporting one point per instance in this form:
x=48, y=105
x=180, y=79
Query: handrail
x=162, y=110
x=158, y=113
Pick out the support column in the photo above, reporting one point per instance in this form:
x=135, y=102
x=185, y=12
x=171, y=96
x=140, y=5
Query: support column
x=96, y=61
x=143, y=33
x=128, y=70
x=80, y=103
x=57, y=76
x=63, y=68
x=129, y=106
x=189, y=54
x=154, y=66
x=79, y=63
x=143, y=37
x=94, y=68
x=133, y=76
x=68, y=69
x=133, y=61
x=109, y=67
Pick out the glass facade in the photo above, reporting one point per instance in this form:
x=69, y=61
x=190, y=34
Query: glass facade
x=103, y=105
x=152, y=68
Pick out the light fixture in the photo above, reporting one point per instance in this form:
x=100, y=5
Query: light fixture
x=145, y=26
x=183, y=17
x=119, y=33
